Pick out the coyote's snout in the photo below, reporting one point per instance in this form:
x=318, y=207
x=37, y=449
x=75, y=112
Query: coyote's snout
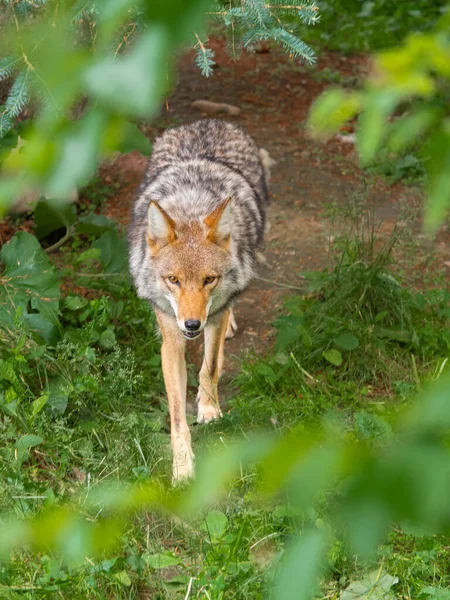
x=195, y=237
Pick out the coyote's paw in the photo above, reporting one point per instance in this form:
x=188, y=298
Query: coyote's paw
x=183, y=461
x=208, y=412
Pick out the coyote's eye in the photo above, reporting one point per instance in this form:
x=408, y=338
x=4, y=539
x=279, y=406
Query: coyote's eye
x=209, y=280
x=174, y=280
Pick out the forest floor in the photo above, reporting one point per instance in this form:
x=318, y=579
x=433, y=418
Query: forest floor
x=309, y=177
x=102, y=416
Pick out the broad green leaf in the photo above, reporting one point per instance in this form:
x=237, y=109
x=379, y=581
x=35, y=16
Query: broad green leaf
x=75, y=302
x=58, y=395
x=39, y=404
x=78, y=153
x=161, y=560
x=134, y=139
x=347, y=341
x=334, y=357
x=373, y=124
x=438, y=178
x=29, y=280
x=215, y=523
x=107, y=339
x=301, y=567
x=113, y=252
x=95, y=224
x=123, y=578
x=331, y=110
x=7, y=373
x=376, y=586
x=432, y=411
x=28, y=441
x=216, y=469
x=49, y=216
x=435, y=593
x=133, y=83
x=406, y=131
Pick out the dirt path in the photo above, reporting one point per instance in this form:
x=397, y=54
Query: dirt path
x=275, y=98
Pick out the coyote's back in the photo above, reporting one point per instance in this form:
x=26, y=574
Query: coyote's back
x=193, y=169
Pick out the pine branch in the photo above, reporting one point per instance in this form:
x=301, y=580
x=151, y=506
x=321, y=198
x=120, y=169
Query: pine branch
x=8, y=65
x=18, y=95
x=293, y=44
x=204, y=58
x=5, y=122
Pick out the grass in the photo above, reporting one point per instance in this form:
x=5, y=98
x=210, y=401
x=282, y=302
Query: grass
x=105, y=420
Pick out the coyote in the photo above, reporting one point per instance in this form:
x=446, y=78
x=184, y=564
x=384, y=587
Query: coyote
x=195, y=237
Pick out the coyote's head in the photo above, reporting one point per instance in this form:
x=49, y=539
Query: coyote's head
x=190, y=260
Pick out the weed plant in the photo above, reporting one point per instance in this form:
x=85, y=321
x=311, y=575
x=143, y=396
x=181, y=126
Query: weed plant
x=359, y=333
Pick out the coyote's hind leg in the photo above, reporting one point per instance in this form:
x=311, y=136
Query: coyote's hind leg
x=208, y=397
x=231, y=326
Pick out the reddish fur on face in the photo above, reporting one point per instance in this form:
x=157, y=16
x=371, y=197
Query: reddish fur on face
x=191, y=253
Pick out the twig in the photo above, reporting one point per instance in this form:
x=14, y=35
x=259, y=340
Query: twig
x=60, y=242
x=283, y=285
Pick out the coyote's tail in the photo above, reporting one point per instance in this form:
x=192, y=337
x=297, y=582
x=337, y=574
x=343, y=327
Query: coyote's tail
x=266, y=161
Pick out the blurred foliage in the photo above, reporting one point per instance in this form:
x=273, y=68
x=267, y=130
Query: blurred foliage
x=328, y=492
x=404, y=104
x=358, y=26
x=87, y=60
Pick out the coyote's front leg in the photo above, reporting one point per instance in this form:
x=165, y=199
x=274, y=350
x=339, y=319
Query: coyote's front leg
x=174, y=371
x=207, y=397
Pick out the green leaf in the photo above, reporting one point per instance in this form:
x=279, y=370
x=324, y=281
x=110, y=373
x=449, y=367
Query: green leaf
x=28, y=441
x=93, y=224
x=7, y=373
x=29, y=281
x=133, y=83
x=407, y=130
x=107, y=339
x=49, y=217
x=435, y=593
x=39, y=404
x=161, y=560
x=75, y=302
x=331, y=110
x=373, y=122
x=113, y=252
x=58, y=395
x=216, y=523
x=347, y=341
x=438, y=178
x=302, y=566
x=77, y=155
x=376, y=586
x=123, y=578
x=334, y=357
x=134, y=139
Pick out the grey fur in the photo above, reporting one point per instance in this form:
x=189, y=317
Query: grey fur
x=192, y=170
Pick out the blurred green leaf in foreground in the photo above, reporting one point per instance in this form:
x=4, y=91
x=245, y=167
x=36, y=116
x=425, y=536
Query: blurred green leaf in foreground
x=404, y=104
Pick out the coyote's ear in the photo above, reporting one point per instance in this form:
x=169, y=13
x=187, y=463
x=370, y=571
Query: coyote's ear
x=219, y=224
x=161, y=228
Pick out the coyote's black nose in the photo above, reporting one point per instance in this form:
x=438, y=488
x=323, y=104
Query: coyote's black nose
x=192, y=325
